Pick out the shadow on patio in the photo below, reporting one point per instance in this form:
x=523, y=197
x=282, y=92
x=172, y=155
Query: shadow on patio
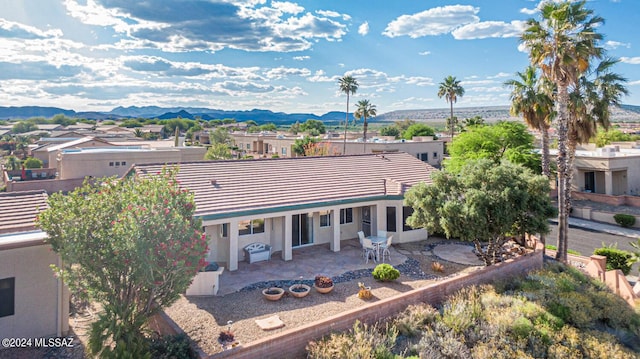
x=307, y=263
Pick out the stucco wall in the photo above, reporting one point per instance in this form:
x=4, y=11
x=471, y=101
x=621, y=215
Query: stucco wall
x=36, y=289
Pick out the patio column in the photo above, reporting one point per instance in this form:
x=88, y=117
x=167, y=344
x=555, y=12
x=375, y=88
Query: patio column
x=287, y=252
x=381, y=217
x=399, y=223
x=233, y=244
x=335, y=243
x=608, y=182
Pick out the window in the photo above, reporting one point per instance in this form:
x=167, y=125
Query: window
x=7, y=297
x=406, y=213
x=346, y=215
x=253, y=226
x=424, y=157
x=284, y=151
x=248, y=146
x=124, y=163
x=117, y=163
x=435, y=155
x=224, y=230
x=110, y=164
x=325, y=218
x=391, y=219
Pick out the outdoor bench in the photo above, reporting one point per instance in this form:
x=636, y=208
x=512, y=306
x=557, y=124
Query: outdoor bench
x=256, y=252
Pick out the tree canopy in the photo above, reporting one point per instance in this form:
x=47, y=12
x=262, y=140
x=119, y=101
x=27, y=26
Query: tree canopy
x=312, y=125
x=485, y=204
x=133, y=244
x=418, y=129
x=503, y=140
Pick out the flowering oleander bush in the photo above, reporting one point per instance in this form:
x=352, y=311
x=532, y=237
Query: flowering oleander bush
x=134, y=244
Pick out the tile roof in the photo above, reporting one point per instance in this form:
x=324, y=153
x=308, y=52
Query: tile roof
x=18, y=210
x=224, y=187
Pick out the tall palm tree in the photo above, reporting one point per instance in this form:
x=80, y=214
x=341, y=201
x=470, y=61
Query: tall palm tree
x=562, y=44
x=451, y=89
x=530, y=99
x=364, y=111
x=349, y=86
x=591, y=96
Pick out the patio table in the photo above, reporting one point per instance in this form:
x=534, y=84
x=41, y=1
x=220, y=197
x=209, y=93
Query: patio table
x=377, y=241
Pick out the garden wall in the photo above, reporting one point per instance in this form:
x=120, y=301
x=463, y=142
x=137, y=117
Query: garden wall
x=292, y=343
x=598, y=216
x=623, y=200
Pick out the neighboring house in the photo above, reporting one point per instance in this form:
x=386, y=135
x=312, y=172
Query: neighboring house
x=115, y=161
x=49, y=152
x=295, y=202
x=154, y=129
x=33, y=301
x=609, y=170
x=424, y=148
x=50, y=127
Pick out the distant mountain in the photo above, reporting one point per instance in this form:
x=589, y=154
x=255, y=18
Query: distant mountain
x=625, y=113
x=33, y=111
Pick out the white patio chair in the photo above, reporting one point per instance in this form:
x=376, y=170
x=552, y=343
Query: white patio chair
x=385, y=248
x=369, y=249
x=361, y=238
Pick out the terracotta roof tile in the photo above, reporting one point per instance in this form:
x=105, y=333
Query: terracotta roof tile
x=18, y=210
x=271, y=183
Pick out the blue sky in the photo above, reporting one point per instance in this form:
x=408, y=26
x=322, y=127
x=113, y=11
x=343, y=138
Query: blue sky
x=278, y=55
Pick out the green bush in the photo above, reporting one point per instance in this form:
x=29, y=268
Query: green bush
x=616, y=258
x=32, y=162
x=171, y=346
x=385, y=272
x=625, y=220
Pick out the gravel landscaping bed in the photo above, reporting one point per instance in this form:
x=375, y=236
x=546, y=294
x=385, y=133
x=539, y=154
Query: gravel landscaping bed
x=202, y=318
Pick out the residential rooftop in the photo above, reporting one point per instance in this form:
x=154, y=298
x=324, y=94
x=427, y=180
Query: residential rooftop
x=18, y=210
x=226, y=188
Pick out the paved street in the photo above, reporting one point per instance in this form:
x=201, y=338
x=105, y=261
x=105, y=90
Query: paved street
x=585, y=241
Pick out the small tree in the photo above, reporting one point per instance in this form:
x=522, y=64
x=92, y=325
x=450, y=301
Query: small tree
x=32, y=162
x=418, y=129
x=485, y=203
x=133, y=244
x=300, y=145
x=312, y=124
x=218, y=151
x=12, y=163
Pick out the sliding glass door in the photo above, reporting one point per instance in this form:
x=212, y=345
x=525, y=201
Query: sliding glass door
x=302, y=230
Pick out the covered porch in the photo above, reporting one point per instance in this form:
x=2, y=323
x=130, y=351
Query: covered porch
x=286, y=233
x=310, y=261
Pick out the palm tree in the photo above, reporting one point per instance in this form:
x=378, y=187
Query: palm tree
x=562, y=45
x=12, y=163
x=590, y=99
x=530, y=99
x=364, y=111
x=450, y=88
x=349, y=86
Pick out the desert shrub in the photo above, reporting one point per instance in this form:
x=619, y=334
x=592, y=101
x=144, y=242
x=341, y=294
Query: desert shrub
x=363, y=341
x=413, y=319
x=385, y=272
x=462, y=310
x=440, y=342
x=616, y=258
x=437, y=267
x=32, y=162
x=171, y=346
x=625, y=220
x=522, y=328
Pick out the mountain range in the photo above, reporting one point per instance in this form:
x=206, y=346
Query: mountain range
x=624, y=113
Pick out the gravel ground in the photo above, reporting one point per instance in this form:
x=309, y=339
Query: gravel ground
x=203, y=318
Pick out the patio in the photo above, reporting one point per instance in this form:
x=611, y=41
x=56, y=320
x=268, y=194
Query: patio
x=307, y=262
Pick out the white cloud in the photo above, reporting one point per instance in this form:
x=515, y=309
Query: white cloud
x=633, y=83
x=283, y=72
x=363, y=29
x=301, y=58
x=287, y=7
x=435, y=21
x=320, y=76
x=500, y=75
x=526, y=11
x=631, y=60
x=12, y=29
x=612, y=45
x=329, y=13
x=489, y=29
x=424, y=53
